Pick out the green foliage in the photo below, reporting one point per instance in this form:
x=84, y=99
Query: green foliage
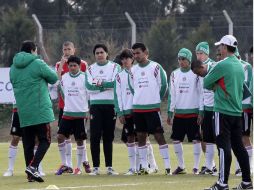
x=16, y=27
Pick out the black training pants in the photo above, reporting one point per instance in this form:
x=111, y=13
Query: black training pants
x=102, y=124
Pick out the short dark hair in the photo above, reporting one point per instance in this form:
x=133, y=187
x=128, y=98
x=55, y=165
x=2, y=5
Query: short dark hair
x=139, y=45
x=74, y=59
x=126, y=53
x=28, y=46
x=231, y=49
x=196, y=64
x=68, y=43
x=118, y=60
x=103, y=46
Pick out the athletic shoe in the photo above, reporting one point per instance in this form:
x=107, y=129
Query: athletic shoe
x=243, y=186
x=76, y=171
x=130, y=172
x=143, y=171
x=214, y=169
x=8, y=173
x=63, y=169
x=95, y=172
x=195, y=171
x=33, y=172
x=167, y=171
x=238, y=172
x=111, y=171
x=217, y=186
x=206, y=171
x=203, y=168
x=153, y=170
x=87, y=167
x=179, y=170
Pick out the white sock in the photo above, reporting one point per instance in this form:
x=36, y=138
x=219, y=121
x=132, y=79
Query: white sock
x=80, y=150
x=137, y=158
x=142, y=152
x=178, y=147
x=40, y=165
x=12, y=156
x=85, y=158
x=62, y=151
x=68, y=152
x=250, y=153
x=237, y=166
x=132, y=155
x=197, y=154
x=165, y=155
x=150, y=156
x=209, y=155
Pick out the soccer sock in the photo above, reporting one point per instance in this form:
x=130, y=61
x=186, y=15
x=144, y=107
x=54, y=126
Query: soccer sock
x=142, y=152
x=150, y=156
x=80, y=150
x=209, y=155
x=62, y=150
x=137, y=158
x=68, y=152
x=12, y=156
x=132, y=155
x=197, y=154
x=85, y=158
x=178, y=147
x=165, y=155
x=250, y=153
x=40, y=165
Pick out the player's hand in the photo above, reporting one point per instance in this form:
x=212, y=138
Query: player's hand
x=122, y=119
x=169, y=120
x=200, y=119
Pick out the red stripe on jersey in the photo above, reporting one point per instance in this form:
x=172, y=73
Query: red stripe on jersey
x=15, y=110
x=143, y=111
x=186, y=115
x=221, y=83
x=72, y=118
x=248, y=110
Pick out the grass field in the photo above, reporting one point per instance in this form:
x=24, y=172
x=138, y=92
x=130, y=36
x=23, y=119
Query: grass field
x=120, y=163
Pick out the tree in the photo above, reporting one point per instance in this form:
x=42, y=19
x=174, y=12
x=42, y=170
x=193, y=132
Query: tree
x=16, y=27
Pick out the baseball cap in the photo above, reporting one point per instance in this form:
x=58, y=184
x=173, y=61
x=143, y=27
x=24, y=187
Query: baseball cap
x=227, y=40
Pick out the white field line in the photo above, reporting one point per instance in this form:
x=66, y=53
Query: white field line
x=100, y=186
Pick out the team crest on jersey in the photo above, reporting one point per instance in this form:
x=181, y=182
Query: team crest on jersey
x=143, y=73
x=184, y=78
x=101, y=72
x=73, y=83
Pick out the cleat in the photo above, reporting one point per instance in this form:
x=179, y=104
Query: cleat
x=242, y=185
x=95, y=172
x=87, y=167
x=167, y=171
x=217, y=186
x=8, y=173
x=63, y=169
x=153, y=170
x=238, y=172
x=195, y=171
x=202, y=168
x=214, y=169
x=143, y=171
x=77, y=171
x=33, y=172
x=111, y=171
x=179, y=170
x=130, y=172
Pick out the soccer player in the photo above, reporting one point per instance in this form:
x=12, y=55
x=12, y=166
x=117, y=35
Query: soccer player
x=148, y=84
x=100, y=78
x=208, y=140
x=246, y=115
x=30, y=77
x=227, y=80
x=75, y=97
x=65, y=148
x=185, y=101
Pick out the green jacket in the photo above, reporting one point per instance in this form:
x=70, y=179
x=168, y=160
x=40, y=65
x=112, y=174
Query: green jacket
x=30, y=76
x=227, y=79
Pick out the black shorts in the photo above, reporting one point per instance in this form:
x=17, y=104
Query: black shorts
x=149, y=122
x=128, y=129
x=207, y=127
x=246, y=119
x=15, y=126
x=75, y=127
x=183, y=126
x=60, y=116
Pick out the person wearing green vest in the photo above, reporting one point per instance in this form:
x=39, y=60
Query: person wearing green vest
x=30, y=77
x=227, y=80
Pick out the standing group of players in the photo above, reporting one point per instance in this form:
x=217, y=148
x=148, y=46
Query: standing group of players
x=134, y=94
